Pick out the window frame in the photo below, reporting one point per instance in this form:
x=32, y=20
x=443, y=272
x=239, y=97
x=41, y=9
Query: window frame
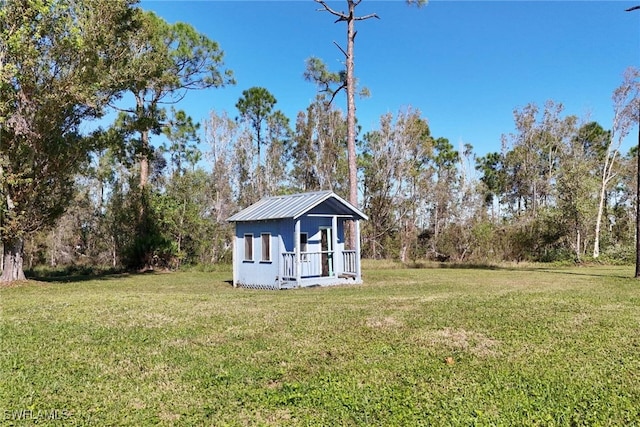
x=304, y=247
x=248, y=247
x=268, y=257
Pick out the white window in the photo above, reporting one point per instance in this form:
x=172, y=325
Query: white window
x=304, y=239
x=248, y=247
x=266, y=246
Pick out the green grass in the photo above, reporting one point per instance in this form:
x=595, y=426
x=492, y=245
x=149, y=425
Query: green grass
x=532, y=346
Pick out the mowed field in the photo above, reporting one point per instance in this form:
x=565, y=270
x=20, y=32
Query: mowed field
x=433, y=346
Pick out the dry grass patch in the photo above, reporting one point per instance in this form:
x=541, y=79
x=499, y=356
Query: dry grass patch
x=462, y=340
x=386, y=322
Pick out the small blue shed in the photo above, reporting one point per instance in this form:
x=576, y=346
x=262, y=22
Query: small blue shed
x=295, y=241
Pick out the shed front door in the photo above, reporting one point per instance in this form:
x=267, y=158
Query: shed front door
x=327, y=252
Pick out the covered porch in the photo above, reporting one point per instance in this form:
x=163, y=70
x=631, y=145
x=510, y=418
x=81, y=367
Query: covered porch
x=327, y=263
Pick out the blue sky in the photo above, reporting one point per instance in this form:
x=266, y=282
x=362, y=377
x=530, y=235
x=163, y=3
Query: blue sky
x=466, y=65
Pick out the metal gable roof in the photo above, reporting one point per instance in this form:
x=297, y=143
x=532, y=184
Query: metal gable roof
x=294, y=206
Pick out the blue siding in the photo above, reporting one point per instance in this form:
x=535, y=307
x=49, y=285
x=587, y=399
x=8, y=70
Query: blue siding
x=311, y=225
x=287, y=230
x=258, y=272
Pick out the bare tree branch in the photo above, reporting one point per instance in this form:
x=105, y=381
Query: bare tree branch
x=333, y=95
x=331, y=11
x=369, y=16
x=341, y=49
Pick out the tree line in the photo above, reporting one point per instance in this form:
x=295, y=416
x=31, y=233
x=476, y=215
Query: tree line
x=538, y=199
x=559, y=189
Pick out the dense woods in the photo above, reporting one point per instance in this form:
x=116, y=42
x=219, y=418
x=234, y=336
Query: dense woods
x=560, y=188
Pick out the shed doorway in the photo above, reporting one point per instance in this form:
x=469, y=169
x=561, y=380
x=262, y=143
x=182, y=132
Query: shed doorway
x=326, y=249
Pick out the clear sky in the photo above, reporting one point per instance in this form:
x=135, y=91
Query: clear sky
x=466, y=65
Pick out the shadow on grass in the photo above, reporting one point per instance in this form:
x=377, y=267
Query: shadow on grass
x=585, y=273
x=73, y=274
x=563, y=269
x=453, y=266
x=77, y=274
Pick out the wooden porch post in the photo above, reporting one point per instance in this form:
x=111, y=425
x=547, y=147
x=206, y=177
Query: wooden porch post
x=357, y=249
x=334, y=245
x=296, y=245
x=236, y=257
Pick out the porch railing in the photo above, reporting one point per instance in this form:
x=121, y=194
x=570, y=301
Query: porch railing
x=349, y=262
x=317, y=264
x=289, y=266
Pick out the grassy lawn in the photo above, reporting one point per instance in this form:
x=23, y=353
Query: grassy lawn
x=536, y=346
